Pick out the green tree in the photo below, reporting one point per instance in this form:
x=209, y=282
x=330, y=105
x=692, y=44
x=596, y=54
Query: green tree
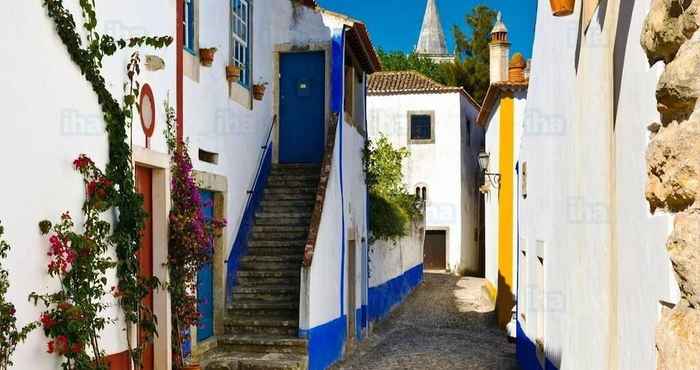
x=470, y=69
x=472, y=65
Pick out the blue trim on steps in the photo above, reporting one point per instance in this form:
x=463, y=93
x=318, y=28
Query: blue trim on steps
x=326, y=343
x=383, y=298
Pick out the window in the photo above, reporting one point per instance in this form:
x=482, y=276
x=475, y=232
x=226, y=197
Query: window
x=240, y=38
x=189, y=26
x=421, y=127
x=422, y=193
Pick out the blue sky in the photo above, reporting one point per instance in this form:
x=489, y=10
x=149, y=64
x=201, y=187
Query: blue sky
x=395, y=24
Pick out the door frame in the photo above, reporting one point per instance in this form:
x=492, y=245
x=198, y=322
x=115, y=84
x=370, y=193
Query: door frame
x=218, y=185
x=285, y=48
x=159, y=163
x=447, y=245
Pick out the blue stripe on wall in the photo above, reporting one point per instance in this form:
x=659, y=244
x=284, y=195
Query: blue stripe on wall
x=326, y=343
x=383, y=298
x=526, y=352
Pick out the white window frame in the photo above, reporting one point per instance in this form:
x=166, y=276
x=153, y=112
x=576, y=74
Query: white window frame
x=240, y=42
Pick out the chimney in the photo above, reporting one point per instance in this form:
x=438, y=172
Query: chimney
x=499, y=51
x=516, y=69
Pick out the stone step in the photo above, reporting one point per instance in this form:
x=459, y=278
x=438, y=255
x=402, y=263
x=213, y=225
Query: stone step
x=272, y=289
x=275, y=251
x=256, y=281
x=259, y=305
x=307, y=209
x=295, y=168
x=267, y=297
x=298, y=257
x=292, y=182
x=219, y=359
x=299, y=235
x=290, y=203
x=261, y=229
x=289, y=313
x=263, y=344
x=262, y=330
x=272, y=220
x=273, y=197
x=261, y=325
x=298, y=243
x=295, y=273
x=283, y=213
x=302, y=190
x=265, y=266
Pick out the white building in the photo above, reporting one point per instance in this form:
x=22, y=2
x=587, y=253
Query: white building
x=594, y=276
x=502, y=117
x=314, y=64
x=437, y=124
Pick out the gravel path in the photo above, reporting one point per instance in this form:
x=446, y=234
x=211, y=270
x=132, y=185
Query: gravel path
x=447, y=323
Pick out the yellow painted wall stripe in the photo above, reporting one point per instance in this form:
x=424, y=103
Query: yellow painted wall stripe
x=506, y=165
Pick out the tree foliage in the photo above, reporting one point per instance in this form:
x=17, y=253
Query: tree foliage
x=391, y=207
x=470, y=69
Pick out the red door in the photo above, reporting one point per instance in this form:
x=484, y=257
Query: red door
x=144, y=185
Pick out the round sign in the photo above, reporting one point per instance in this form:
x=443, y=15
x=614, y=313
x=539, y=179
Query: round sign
x=147, y=110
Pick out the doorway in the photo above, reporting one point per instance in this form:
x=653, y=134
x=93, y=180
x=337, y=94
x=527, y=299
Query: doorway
x=435, y=250
x=302, y=107
x=205, y=280
x=144, y=186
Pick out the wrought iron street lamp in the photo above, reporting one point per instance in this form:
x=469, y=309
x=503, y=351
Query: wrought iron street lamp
x=493, y=178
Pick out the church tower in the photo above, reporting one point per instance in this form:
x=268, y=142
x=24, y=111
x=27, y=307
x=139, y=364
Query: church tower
x=431, y=42
x=499, y=52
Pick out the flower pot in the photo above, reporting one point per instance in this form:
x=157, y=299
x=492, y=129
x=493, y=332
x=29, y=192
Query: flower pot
x=233, y=73
x=561, y=8
x=206, y=56
x=258, y=92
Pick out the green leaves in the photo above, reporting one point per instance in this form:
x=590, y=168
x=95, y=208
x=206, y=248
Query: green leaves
x=391, y=207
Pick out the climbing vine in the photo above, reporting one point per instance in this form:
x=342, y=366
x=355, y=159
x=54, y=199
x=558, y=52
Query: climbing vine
x=10, y=335
x=73, y=318
x=128, y=204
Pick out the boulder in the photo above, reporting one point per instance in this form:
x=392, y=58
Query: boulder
x=684, y=249
x=678, y=339
x=679, y=86
x=667, y=26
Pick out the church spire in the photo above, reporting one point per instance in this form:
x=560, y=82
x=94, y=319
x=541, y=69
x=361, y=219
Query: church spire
x=432, y=37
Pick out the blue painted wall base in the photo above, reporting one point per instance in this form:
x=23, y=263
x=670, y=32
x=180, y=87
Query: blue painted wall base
x=526, y=352
x=383, y=298
x=326, y=343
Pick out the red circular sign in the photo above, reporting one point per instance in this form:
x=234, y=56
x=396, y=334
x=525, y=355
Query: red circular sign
x=147, y=110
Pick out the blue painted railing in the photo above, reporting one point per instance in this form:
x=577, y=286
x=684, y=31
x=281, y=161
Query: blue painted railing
x=255, y=192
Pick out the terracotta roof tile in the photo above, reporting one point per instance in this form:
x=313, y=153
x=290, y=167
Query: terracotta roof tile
x=409, y=82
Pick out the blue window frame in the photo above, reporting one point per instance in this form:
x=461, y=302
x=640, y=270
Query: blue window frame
x=240, y=38
x=189, y=25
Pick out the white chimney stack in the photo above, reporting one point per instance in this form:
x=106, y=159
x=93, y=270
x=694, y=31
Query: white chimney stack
x=499, y=50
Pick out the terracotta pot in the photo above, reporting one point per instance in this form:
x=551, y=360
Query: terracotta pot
x=561, y=8
x=258, y=92
x=192, y=367
x=233, y=73
x=206, y=56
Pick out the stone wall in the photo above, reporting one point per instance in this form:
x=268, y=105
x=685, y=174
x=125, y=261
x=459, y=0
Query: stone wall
x=671, y=35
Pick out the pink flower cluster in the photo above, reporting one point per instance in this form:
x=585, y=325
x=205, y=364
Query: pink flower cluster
x=62, y=255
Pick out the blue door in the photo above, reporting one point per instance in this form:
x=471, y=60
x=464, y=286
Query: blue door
x=205, y=282
x=302, y=100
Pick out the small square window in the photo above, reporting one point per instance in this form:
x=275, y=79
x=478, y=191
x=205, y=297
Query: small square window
x=421, y=127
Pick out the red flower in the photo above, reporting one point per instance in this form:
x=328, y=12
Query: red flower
x=76, y=347
x=82, y=162
x=61, y=344
x=51, y=347
x=48, y=322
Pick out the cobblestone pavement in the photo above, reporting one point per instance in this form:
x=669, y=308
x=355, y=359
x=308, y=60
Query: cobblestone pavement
x=447, y=323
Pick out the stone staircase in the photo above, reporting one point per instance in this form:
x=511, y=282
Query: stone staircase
x=262, y=323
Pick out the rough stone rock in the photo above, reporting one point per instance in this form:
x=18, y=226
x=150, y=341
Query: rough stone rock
x=679, y=86
x=673, y=160
x=678, y=339
x=667, y=26
x=684, y=248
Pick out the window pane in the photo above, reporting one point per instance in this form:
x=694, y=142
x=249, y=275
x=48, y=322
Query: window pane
x=420, y=127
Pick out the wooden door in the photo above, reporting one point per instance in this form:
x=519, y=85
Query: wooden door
x=302, y=101
x=435, y=250
x=144, y=185
x=205, y=281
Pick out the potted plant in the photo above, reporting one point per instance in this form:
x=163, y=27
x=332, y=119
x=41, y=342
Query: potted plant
x=259, y=90
x=561, y=8
x=190, y=242
x=206, y=56
x=233, y=72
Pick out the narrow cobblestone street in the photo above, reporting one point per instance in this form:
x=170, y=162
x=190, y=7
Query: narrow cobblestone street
x=447, y=323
